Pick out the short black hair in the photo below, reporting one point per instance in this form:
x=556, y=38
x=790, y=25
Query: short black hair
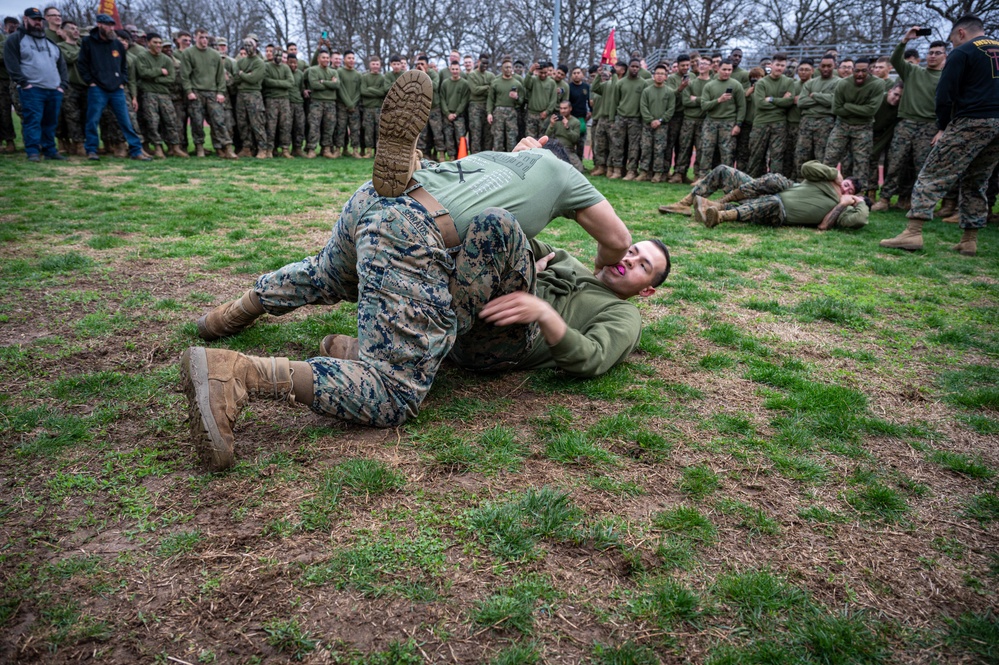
x=862, y=61
x=939, y=44
x=683, y=57
x=395, y=57
x=634, y=60
x=966, y=22
x=910, y=53
x=846, y=59
x=779, y=56
x=662, y=66
x=806, y=61
x=555, y=147
x=348, y=52
x=661, y=277
x=153, y=35
x=725, y=61
x=290, y=44
x=564, y=69
x=11, y=19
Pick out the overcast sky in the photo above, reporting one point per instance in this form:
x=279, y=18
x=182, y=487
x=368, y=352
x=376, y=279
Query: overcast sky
x=14, y=8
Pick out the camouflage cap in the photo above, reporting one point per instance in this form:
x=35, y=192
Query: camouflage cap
x=221, y=41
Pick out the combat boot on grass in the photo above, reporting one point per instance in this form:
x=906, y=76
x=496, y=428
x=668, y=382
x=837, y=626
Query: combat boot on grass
x=630, y=175
x=715, y=215
x=262, y=154
x=731, y=197
x=598, y=171
x=219, y=383
x=642, y=177
x=911, y=239
x=681, y=207
x=614, y=173
x=676, y=178
x=953, y=219
x=903, y=203
x=343, y=347
x=177, y=151
x=286, y=152
x=245, y=152
x=882, y=205
x=158, y=152
x=969, y=243
x=230, y=318
x=405, y=112
x=199, y=150
x=327, y=153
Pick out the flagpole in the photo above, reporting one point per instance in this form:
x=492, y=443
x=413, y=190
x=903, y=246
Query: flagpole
x=555, y=31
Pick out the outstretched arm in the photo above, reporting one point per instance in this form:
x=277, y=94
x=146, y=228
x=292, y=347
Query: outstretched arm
x=612, y=236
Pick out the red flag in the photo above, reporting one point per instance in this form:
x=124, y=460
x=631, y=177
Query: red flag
x=608, y=58
x=110, y=7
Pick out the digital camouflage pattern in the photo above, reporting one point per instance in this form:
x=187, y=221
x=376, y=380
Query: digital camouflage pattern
x=766, y=148
x=965, y=155
x=856, y=142
x=479, y=132
x=433, y=134
x=298, y=131
x=157, y=109
x=790, y=151
x=504, y=128
x=813, y=136
x=322, y=124
x=910, y=146
x=453, y=131
x=206, y=107
x=626, y=138
x=251, y=118
x=716, y=134
x=690, y=134
x=655, y=149
x=348, y=127
x=278, y=123
x=74, y=113
x=369, y=127
x=601, y=139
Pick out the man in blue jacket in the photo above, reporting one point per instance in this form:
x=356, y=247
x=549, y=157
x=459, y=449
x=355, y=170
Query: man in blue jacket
x=103, y=67
x=38, y=69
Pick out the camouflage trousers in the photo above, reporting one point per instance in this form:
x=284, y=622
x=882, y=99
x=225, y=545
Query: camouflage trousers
x=504, y=129
x=813, y=135
x=766, y=210
x=479, y=134
x=74, y=113
x=626, y=138
x=728, y=179
x=278, y=123
x=601, y=129
x=433, y=134
x=206, y=107
x=766, y=148
x=180, y=112
x=716, y=134
x=387, y=255
x=348, y=127
x=675, y=125
x=15, y=99
x=910, y=146
x=251, y=117
x=656, y=149
x=790, y=147
x=157, y=109
x=742, y=146
x=322, y=124
x=297, y=125
x=690, y=134
x=6, y=117
x=856, y=141
x=230, y=119
x=966, y=154
x=369, y=127
x=535, y=126
x=453, y=131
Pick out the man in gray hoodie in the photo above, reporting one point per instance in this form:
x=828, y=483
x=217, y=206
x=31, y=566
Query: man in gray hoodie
x=38, y=69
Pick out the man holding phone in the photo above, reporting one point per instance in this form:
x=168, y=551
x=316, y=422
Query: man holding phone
x=724, y=102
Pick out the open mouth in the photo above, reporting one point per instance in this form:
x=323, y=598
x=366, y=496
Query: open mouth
x=620, y=269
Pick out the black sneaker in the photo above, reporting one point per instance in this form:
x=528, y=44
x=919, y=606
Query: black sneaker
x=93, y=156
x=34, y=157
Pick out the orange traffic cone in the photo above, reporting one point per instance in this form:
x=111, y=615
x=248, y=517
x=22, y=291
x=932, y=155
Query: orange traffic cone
x=462, y=148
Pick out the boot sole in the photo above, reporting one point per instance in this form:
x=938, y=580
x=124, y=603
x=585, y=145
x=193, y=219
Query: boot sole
x=907, y=248
x=204, y=430
x=405, y=112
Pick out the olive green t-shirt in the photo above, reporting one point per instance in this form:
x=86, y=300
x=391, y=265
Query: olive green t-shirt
x=534, y=185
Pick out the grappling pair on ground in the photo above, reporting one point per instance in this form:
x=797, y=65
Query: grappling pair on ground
x=441, y=261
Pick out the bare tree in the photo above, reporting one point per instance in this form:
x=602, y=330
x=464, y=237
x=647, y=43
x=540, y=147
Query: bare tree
x=711, y=24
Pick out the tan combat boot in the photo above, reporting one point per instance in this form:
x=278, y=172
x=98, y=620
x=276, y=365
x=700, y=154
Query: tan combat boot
x=310, y=153
x=158, y=152
x=230, y=318
x=882, y=205
x=229, y=153
x=732, y=197
x=969, y=243
x=681, y=207
x=630, y=175
x=327, y=153
x=199, y=150
x=218, y=384
x=120, y=150
x=262, y=154
x=642, y=177
x=343, y=347
x=355, y=154
x=599, y=170
x=714, y=216
x=614, y=173
x=286, y=152
x=947, y=208
x=245, y=152
x=676, y=178
x=405, y=112
x=903, y=203
x=297, y=152
x=953, y=219
x=177, y=151
x=911, y=239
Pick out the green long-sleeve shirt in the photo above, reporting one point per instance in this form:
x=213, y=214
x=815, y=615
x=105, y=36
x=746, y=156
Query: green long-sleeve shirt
x=629, y=101
x=601, y=329
x=734, y=109
x=774, y=111
x=295, y=93
x=150, y=70
x=568, y=136
x=540, y=94
x=674, y=81
x=455, y=96
x=608, y=92
x=809, y=201
x=250, y=73
x=202, y=70
x=856, y=104
x=374, y=87
x=479, y=83
x=817, y=96
x=499, y=93
x=692, y=99
x=919, y=99
x=794, y=113
x=70, y=53
x=133, y=75
x=658, y=103
x=278, y=80
x=323, y=83
x=350, y=87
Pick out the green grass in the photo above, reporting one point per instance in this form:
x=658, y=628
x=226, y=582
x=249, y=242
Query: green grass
x=513, y=529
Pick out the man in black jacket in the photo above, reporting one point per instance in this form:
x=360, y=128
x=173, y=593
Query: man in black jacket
x=103, y=67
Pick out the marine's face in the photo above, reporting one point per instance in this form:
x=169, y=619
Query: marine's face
x=323, y=59
x=724, y=72
x=777, y=68
x=202, y=41
x=805, y=72
x=633, y=69
x=637, y=270
x=683, y=67
x=860, y=72
x=374, y=66
x=847, y=187
x=845, y=69
x=349, y=60
x=826, y=68
x=155, y=45
x=455, y=70
x=507, y=69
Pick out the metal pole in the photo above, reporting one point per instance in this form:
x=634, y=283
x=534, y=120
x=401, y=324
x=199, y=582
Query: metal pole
x=555, y=29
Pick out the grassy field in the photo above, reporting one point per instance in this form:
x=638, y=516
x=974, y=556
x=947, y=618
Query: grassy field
x=799, y=465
